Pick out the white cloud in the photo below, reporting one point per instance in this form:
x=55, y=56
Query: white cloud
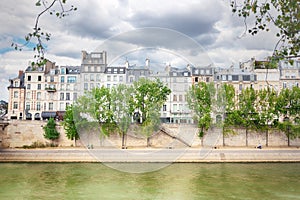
x=210, y=23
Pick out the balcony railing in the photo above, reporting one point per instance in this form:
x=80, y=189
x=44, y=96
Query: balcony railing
x=50, y=89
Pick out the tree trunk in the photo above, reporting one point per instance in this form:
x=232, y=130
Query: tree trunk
x=246, y=137
x=223, y=137
x=267, y=137
x=148, y=141
x=123, y=141
x=288, y=137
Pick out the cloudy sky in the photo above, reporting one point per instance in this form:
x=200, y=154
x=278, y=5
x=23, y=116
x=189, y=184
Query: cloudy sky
x=198, y=32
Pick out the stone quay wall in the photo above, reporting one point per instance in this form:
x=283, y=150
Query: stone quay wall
x=19, y=133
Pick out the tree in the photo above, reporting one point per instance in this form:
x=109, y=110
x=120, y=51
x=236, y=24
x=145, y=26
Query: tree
x=199, y=100
x=70, y=125
x=38, y=36
x=50, y=130
x=283, y=14
x=226, y=103
x=287, y=107
x=148, y=98
x=121, y=98
x=96, y=106
x=247, y=113
x=265, y=107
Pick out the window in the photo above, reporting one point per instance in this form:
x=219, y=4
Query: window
x=28, y=95
x=68, y=87
x=51, y=106
x=61, y=106
x=75, y=96
x=121, y=78
x=91, y=86
x=229, y=77
x=39, y=86
x=223, y=77
x=86, y=86
x=62, y=97
x=92, y=77
x=62, y=79
x=246, y=77
x=284, y=85
x=51, y=78
x=28, y=86
x=235, y=77
x=240, y=87
x=98, y=77
x=115, y=77
x=85, y=77
x=164, y=107
x=196, y=79
x=180, y=97
x=16, y=94
x=15, y=105
x=297, y=84
x=174, y=97
x=38, y=106
x=27, y=106
x=108, y=78
x=67, y=96
x=16, y=84
x=131, y=79
x=63, y=71
x=28, y=78
x=115, y=70
x=38, y=96
x=71, y=79
x=39, y=78
x=174, y=107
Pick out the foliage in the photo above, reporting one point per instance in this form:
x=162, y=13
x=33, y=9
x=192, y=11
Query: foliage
x=50, y=130
x=69, y=124
x=121, y=98
x=149, y=95
x=199, y=99
x=266, y=108
x=113, y=109
x=38, y=36
x=283, y=14
x=95, y=105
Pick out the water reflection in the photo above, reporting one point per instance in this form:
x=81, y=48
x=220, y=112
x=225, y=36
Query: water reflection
x=177, y=181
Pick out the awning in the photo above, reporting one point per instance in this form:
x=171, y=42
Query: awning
x=48, y=114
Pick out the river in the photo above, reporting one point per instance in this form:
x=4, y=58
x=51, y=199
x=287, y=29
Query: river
x=178, y=181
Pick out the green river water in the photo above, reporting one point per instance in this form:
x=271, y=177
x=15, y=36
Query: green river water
x=177, y=181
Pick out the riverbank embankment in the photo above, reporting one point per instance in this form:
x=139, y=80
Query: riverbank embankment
x=151, y=155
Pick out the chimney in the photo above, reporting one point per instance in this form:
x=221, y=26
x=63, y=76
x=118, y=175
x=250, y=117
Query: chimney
x=126, y=64
x=147, y=63
x=83, y=54
x=21, y=72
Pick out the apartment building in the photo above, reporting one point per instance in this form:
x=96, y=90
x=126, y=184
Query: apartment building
x=92, y=71
x=289, y=74
x=68, y=86
x=16, y=89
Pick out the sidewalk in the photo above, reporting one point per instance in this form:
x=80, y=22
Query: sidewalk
x=151, y=155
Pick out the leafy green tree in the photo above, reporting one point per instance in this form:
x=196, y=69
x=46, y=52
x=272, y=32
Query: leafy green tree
x=70, y=125
x=226, y=103
x=50, y=130
x=287, y=108
x=247, y=113
x=283, y=14
x=266, y=109
x=97, y=105
x=199, y=99
x=121, y=98
x=148, y=98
